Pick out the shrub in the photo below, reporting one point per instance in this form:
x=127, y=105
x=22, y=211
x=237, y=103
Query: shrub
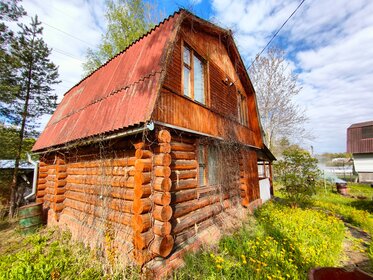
x=298, y=172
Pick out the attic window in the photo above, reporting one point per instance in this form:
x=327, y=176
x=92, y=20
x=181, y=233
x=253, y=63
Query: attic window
x=242, y=109
x=194, y=75
x=367, y=132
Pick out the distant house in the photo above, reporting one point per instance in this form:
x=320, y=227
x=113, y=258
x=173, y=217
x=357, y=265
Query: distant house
x=360, y=144
x=156, y=143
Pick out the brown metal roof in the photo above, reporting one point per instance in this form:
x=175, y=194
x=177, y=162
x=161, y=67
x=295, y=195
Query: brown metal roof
x=119, y=94
x=362, y=124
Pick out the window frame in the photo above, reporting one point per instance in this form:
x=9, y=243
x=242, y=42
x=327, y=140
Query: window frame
x=367, y=132
x=193, y=53
x=206, y=165
x=243, y=112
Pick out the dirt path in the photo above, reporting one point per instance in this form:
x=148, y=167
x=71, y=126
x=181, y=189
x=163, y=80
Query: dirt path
x=355, y=246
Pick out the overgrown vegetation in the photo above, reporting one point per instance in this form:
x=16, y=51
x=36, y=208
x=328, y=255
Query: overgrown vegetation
x=279, y=242
x=298, y=172
x=50, y=254
x=283, y=243
x=358, y=212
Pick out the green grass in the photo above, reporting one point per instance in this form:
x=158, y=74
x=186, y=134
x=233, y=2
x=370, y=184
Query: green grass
x=279, y=242
x=50, y=254
x=285, y=243
x=282, y=243
x=356, y=189
x=358, y=212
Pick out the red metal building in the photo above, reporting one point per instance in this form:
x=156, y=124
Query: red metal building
x=360, y=145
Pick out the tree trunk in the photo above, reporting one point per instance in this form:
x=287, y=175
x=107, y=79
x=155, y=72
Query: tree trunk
x=14, y=186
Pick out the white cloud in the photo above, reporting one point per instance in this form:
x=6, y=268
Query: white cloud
x=195, y=2
x=331, y=43
x=70, y=27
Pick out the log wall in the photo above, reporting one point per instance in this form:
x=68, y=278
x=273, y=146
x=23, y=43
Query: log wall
x=95, y=192
x=194, y=207
x=147, y=192
x=249, y=179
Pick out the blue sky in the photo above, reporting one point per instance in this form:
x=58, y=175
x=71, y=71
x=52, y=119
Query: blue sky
x=328, y=43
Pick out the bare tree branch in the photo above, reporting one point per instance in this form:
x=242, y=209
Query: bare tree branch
x=276, y=86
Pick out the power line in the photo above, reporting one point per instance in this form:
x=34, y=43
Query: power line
x=67, y=54
x=72, y=36
x=274, y=36
x=64, y=32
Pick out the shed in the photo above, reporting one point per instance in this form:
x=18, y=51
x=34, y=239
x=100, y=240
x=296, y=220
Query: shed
x=360, y=145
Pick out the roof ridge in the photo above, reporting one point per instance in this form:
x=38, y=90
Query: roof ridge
x=130, y=45
x=115, y=91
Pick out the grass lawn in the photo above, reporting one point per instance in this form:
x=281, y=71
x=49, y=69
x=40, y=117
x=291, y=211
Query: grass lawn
x=278, y=242
x=281, y=242
x=50, y=254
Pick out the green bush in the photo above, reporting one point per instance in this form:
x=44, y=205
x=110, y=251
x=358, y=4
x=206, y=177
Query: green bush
x=298, y=172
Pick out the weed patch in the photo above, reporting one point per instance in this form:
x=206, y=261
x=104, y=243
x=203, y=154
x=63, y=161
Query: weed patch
x=283, y=243
x=51, y=255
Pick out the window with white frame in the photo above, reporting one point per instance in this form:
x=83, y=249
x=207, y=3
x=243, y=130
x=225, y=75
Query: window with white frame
x=193, y=75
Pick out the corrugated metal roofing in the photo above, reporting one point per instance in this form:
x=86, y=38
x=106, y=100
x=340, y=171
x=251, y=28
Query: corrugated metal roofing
x=119, y=94
x=10, y=163
x=355, y=125
x=356, y=142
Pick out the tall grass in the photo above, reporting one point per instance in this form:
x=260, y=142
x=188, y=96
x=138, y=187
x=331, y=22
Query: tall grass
x=51, y=255
x=283, y=243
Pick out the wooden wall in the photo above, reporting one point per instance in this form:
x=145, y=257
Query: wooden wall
x=249, y=178
x=220, y=115
x=145, y=194
x=98, y=192
x=195, y=207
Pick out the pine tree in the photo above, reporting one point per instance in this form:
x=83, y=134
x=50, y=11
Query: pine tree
x=10, y=10
x=35, y=97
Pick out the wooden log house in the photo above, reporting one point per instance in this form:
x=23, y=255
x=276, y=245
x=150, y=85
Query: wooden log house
x=155, y=143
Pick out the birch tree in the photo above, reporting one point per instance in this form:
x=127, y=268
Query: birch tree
x=127, y=20
x=276, y=86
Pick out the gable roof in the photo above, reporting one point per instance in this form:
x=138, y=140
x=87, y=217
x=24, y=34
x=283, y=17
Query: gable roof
x=362, y=124
x=119, y=94
x=122, y=93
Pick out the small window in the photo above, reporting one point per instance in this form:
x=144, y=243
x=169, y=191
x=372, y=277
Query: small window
x=209, y=161
x=367, y=132
x=242, y=109
x=202, y=165
x=213, y=165
x=193, y=75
